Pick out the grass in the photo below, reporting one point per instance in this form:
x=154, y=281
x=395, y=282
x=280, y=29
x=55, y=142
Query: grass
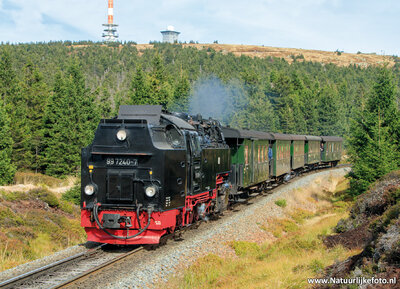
x=36, y=179
x=286, y=263
x=297, y=254
x=34, y=224
x=280, y=226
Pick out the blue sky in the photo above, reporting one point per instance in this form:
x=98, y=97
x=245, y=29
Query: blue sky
x=351, y=26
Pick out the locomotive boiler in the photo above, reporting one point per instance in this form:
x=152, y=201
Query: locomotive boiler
x=148, y=173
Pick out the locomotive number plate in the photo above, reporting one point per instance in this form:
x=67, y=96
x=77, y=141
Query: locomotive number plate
x=121, y=162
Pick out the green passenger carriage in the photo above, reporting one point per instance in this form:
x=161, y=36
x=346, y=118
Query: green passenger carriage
x=297, y=151
x=332, y=149
x=249, y=155
x=281, y=154
x=312, y=150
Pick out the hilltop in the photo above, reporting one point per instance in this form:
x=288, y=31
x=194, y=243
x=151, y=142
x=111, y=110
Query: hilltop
x=289, y=54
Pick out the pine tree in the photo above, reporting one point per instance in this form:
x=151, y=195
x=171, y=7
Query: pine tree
x=7, y=78
x=7, y=169
x=34, y=94
x=140, y=91
x=160, y=90
x=104, y=103
x=329, y=117
x=71, y=117
x=374, y=149
x=260, y=113
x=181, y=94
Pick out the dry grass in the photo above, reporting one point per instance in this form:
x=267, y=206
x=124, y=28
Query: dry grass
x=296, y=254
x=35, y=224
x=286, y=263
x=36, y=179
x=345, y=59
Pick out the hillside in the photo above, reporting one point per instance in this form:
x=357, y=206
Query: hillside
x=36, y=219
x=289, y=54
x=374, y=227
x=45, y=84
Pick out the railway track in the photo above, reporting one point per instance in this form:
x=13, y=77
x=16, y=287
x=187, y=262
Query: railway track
x=66, y=272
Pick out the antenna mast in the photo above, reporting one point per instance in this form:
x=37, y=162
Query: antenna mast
x=110, y=32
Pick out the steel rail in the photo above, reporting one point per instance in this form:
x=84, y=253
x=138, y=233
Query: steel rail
x=89, y=272
x=29, y=274
x=86, y=274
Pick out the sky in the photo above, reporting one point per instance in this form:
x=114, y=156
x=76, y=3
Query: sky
x=345, y=25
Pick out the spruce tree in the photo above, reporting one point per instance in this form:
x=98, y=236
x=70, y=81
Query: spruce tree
x=374, y=149
x=8, y=81
x=181, y=94
x=329, y=117
x=140, y=92
x=33, y=97
x=160, y=90
x=71, y=117
x=104, y=103
x=7, y=169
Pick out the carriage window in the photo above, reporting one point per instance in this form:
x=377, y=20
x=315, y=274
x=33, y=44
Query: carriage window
x=259, y=154
x=246, y=155
x=265, y=153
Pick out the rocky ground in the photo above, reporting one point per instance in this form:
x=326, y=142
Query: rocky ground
x=374, y=226
x=150, y=269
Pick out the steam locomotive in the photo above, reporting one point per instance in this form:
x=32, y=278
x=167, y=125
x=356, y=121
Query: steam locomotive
x=149, y=173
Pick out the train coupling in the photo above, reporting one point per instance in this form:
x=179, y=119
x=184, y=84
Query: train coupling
x=113, y=221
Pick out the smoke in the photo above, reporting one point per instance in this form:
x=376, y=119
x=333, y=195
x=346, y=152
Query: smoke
x=212, y=98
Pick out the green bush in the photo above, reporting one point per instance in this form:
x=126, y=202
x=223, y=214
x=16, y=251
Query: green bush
x=46, y=196
x=15, y=196
x=281, y=203
x=9, y=219
x=316, y=266
x=382, y=223
x=73, y=195
x=243, y=248
x=66, y=206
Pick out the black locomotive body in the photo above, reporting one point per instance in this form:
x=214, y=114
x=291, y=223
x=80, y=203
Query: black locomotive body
x=148, y=173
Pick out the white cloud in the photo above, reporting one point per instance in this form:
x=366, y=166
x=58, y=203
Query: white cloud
x=315, y=24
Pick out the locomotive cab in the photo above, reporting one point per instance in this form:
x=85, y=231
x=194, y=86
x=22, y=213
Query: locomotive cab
x=142, y=174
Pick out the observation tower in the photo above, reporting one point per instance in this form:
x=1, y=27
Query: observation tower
x=170, y=35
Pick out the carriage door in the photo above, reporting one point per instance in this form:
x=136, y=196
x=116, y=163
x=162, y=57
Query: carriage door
x=194, y=162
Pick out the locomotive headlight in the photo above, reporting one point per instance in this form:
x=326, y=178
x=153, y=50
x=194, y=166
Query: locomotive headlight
x=151, y=191
x=89, y=190
x=121, y=135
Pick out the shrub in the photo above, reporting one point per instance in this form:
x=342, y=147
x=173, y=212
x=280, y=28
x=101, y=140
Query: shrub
x=316, y=266
x=243, y=248
x=46, y=196
x=381, y=224
x=281, y=203
x=73, y=195
x=8, y=218
x=300, y=215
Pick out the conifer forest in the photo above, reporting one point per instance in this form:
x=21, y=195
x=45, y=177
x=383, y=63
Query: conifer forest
x=52, y=96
